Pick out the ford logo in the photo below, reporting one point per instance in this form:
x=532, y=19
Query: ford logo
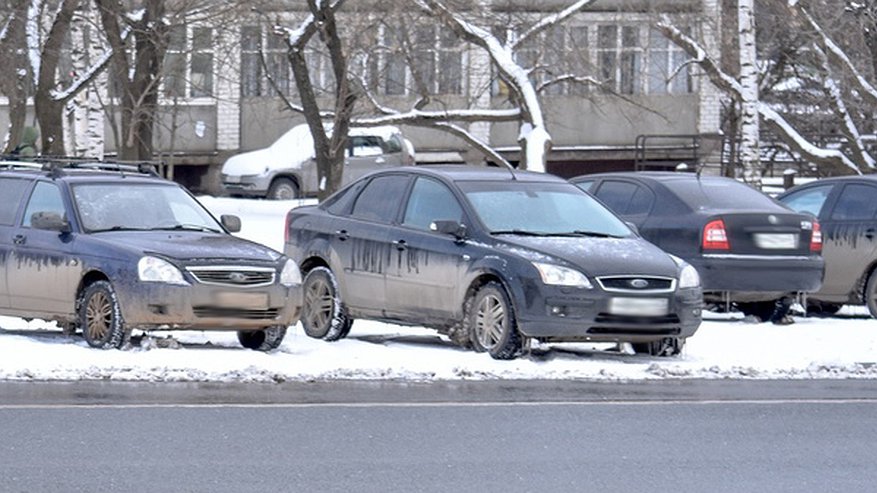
x=237, y=277
x=639, y=283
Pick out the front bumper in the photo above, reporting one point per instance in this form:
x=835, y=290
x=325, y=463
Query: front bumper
x=745, y=276
x=153, y=306
x=247, y=185
x=569, y=315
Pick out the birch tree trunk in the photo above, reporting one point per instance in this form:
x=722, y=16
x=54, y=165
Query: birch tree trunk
x=749, y=127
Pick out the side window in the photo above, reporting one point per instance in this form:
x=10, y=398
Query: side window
x=810, y=200
x=641, y=203
x=394, y=145
x=380, y=199
x=11, y=192
x=366, y=145
x=856, y=203
x=340, y=202
x=586, y=185
x=616, y=195
x=431, y=201
x=46, y=197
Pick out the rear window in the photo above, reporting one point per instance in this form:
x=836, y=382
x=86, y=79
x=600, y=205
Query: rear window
x=716, y=193
x=11, y=192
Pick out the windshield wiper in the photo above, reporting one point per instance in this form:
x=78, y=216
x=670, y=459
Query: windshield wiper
x=519, y=232
x=185, y=227
x=116, y=228
x=589, y=234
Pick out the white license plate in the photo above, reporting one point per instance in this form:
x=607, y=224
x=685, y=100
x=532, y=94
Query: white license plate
x=251, y=301
x=776, y=241
x=640, y=307
x=232, y=179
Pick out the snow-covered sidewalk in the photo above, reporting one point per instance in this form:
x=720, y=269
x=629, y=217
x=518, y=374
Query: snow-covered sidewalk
x=722, y=348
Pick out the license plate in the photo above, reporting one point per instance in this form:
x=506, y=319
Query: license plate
x=254, y=301
x=776, y=241
x=232, y=179
x=640, y=307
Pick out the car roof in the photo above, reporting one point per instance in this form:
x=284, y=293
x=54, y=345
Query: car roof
x=658, y=176
x=463, y=172
x=82, y=171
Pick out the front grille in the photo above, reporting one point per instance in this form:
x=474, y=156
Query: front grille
x=608, y=318
x=637, y=284
x=222, y=312
x=238, y=276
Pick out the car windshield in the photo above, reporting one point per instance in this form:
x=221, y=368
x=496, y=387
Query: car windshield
x=139, y=206
x=716, y=193
x=541, y=209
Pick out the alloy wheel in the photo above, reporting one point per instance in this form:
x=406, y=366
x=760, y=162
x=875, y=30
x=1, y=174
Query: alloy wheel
x=99, y=316
x=491, y=321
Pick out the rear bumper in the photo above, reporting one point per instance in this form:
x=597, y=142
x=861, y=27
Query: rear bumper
x=752, y=274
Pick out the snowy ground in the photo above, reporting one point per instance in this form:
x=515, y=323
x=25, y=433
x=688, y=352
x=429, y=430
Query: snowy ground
x=725, y=347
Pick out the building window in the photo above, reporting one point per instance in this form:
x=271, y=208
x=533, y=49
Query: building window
x=251, y=64
x=619, y=55
x=436, y=62
x=189, y=63
x=256, y=79
x=665, y=59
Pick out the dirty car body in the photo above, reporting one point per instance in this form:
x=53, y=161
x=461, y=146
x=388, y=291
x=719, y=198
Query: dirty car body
x=160, y=260
x=468, y=250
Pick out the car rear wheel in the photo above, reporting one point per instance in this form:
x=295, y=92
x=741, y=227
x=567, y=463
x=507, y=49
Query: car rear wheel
x=871, y=293
x=323, y=313
x=668, y=346
x=262, y=340
x=100, y=316
x=492, y=319
x=283, y=189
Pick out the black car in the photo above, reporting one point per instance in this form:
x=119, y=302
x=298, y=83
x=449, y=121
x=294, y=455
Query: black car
x=847, y=210
x=490, y=257
x=749, y=249
x=108, y=248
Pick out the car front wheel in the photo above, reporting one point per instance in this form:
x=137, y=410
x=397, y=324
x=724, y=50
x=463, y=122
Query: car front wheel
x=283, y=189
x=493, y=324
x=262, y=340
x=100, y=316
x=668, y=346
x=871, y=293
x=323, y=313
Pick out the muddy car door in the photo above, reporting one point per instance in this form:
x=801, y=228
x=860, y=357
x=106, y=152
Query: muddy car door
x=426, y=264
x=11, y=192
x=43, y=272
x=849, y=233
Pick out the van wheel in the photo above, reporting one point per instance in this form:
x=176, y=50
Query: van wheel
x=323, y=313
x=668, y=346
x=871, y=293
x=262, y=340
x=283, y=189
x=100, y=316
x=493, y=324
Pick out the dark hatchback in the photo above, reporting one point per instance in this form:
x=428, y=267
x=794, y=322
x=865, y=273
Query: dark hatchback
x=110, y=248
x=847, y=210
x=490, y=258
x=748, y=248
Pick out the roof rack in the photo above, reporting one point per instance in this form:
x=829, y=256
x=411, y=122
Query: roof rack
x=57, y=164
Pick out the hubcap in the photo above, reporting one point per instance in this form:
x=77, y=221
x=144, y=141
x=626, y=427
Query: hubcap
x=490, y=321
x=319, y=303
x=285, y=192
x=99, y=316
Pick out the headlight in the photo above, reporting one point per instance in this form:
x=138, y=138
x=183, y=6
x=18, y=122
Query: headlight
x=688, y=277
x=290, y=275
x=154, y=269
x=561, y=276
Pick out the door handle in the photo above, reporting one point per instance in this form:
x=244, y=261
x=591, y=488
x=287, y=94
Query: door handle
x=401, y=245
x=342, y=235
x=19, y=239
x=869, y=233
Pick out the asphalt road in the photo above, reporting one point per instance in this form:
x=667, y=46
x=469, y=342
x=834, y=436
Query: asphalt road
x=712, y=436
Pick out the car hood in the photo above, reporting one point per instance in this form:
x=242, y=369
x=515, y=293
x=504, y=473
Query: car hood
x=263, y=161
x=192, y=246
x=596, y=256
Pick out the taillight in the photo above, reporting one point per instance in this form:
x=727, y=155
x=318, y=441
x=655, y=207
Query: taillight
x=714, y=236
x=816, y=238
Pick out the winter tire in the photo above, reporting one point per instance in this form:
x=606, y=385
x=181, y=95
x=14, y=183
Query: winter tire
x=283, y=189
x=668, y=346
x=493, y=325
x=262, y=340
x=323, y=313
x=100, y=316
x=871, y=293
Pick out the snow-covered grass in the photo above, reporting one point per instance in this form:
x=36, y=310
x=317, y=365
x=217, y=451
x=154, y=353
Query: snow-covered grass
x=725, y=347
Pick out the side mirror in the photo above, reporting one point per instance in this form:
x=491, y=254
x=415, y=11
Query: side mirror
x=231, y=222
x=50, y=221
x=452, y=228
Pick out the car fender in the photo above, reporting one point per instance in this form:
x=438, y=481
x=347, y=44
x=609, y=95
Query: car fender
x=499, y=268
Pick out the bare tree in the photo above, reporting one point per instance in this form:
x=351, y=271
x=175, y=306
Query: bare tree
x=13, y=53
